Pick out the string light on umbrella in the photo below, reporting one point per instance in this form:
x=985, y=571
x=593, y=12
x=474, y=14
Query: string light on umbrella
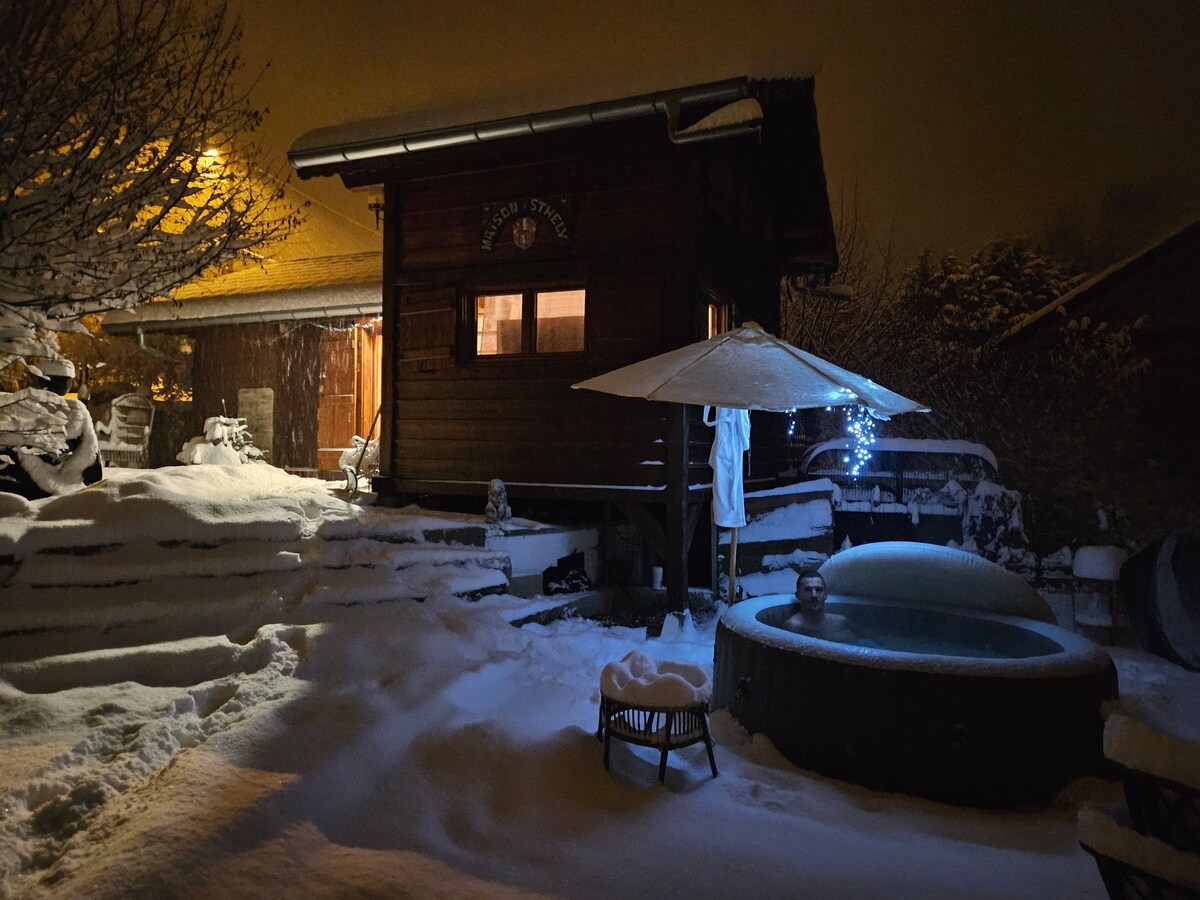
x=860, y=425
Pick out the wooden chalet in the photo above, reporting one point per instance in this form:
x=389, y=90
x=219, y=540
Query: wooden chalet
x=525, y=254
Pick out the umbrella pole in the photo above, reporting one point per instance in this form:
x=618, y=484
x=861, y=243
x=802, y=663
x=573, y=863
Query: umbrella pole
x=733, y=566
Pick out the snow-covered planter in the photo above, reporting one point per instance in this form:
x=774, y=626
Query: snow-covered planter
x=225, y=442
x=992, y=526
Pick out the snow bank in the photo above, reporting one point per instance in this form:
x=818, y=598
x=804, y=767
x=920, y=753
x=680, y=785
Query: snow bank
x=180, y=503
x=162, y=554
x=791, y=522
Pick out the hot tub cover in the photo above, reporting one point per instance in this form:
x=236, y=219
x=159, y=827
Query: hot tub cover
x=904, y=572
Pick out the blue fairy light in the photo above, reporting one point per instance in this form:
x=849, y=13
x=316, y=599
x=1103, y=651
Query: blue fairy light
x=860, y=426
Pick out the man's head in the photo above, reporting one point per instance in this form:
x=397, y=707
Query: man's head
x=810, y=592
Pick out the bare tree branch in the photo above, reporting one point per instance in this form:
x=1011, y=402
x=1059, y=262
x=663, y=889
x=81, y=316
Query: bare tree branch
x=107, y=109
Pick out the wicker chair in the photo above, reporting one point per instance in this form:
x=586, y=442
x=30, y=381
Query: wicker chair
x=667, y=728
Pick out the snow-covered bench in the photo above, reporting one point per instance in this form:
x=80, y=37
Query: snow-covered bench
x=125, y=437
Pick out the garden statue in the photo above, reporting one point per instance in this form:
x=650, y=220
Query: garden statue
x=497, y=509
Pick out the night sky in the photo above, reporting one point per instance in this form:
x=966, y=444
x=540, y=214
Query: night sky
x=957, y=122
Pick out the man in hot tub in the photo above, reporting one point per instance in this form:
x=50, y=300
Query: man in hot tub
x=812, y=618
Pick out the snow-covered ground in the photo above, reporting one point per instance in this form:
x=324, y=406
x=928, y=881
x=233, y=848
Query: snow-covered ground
x=434, y=750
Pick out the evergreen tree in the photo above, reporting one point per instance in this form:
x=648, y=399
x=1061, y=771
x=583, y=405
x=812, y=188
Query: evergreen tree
x=1053, y=416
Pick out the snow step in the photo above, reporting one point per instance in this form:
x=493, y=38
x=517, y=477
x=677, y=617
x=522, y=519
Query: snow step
x=135, y=563
x=144, y=591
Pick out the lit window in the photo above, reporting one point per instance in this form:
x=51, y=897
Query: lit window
x=718, y=319
x=498, y=324
x=559, y=321
x=531, y=322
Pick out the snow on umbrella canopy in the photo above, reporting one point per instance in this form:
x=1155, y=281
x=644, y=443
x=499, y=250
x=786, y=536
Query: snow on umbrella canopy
x=747, y=368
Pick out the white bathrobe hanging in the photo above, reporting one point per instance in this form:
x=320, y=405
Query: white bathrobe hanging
x=731, y=441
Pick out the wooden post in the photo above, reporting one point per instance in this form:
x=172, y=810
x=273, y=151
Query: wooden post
x=389, y=370
x=732, y=599
x=714, y=542
x=676, y=557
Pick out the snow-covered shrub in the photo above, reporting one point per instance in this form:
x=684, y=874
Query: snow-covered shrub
x=992, y=524
x=225, y=442
x=48, y=444
x=1058, y=565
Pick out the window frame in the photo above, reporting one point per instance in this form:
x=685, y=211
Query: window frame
x=528, y=293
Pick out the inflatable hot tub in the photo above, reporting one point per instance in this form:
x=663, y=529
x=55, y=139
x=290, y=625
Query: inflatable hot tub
x=953, y=703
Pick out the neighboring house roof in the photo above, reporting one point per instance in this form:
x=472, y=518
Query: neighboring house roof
x=1114, y=274
x=328, y=267
x=288, y=275
x=324, y=287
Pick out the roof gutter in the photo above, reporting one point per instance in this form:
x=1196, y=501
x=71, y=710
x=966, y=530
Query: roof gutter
x=669, y=103
x=187, y=324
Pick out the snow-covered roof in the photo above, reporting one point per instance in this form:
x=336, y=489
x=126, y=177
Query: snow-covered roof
x=432, y=129
x=331, y=302
x=1122, y=269
x=272, y=291
x=275, y=276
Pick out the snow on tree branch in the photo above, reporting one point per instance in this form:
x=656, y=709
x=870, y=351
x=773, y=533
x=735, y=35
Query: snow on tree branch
x=108, y=109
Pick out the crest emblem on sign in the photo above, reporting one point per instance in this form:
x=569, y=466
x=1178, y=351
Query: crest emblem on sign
x=524, y=217
x=524, y=232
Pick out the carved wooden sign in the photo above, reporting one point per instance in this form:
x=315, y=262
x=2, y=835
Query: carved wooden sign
x=529, y=217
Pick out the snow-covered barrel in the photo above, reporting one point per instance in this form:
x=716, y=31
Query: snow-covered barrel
x=1161, y=589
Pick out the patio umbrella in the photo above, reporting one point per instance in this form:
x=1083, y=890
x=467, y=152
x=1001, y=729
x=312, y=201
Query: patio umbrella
x=743, y=369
